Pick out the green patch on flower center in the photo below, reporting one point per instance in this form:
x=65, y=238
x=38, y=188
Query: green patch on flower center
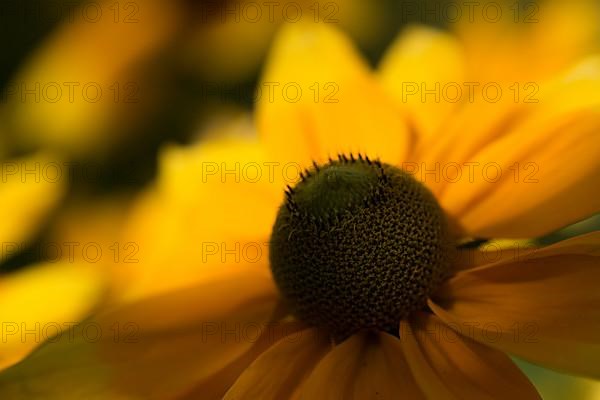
x=358, y=244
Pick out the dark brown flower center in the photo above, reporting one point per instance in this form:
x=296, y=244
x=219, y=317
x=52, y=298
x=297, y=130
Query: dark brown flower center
x=358, y=244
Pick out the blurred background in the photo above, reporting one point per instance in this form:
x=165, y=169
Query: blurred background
x=91, y=91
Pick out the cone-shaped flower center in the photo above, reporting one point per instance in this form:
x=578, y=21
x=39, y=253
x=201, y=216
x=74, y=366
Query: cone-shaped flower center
x=357, y=245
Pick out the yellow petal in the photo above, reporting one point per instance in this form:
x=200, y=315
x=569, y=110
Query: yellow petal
x=451, y=366
x=214, y=204
x=229, y=186
x=519, y=185
x=366, y=366
x=43, y=301
x=30, y=188
x=531, y=41
x=543, y=306
x=279, y=372
x=156, y=348
x=324, y=101
x=421, y=60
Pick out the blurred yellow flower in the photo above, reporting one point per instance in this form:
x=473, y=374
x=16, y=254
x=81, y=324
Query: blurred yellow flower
x=77, y=90
x=42, y=300
x=232, y=38
x=85, y=87
x=499, y=166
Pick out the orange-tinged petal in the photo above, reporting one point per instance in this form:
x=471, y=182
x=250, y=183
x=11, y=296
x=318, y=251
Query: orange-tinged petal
x=521, y=187
x=446, y=158
x=424, y=59
x=217, y=385
x=448, y=365
x=542, y=306
x=156, y=348
x=30, y=188
x=279, y=372
x=366, y=366
x=339, y=109
x=43, y=301
x=240, y=283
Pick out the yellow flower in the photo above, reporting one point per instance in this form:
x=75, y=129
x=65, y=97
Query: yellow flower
x=74, y=91
x=42, y=300
x=231, y=42
x=204, y=318
x=85, y=88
